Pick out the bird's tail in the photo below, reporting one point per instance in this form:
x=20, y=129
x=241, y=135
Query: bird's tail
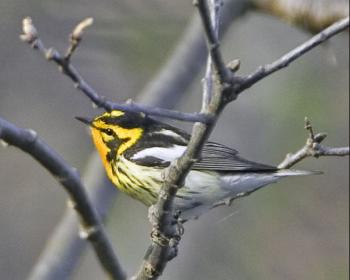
x=291, y=172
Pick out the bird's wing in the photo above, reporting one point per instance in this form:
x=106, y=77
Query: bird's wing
x=214, y=157
x=218, y=157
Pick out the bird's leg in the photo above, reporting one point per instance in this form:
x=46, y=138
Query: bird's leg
x=173, y=238
x=179, y=231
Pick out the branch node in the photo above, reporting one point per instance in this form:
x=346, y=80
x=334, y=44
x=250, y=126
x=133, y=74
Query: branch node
x=76, y=36
x=234, y=65
x=319, y=137
x=309, y=128
x=159, y=238
x=32, y=136
x=87, y=233
x=71, y=204
x=3, y=143
x=150, y=271
x=80, y=28
x=153, y=215
x=30, y=34
x=52, y=54
x=129, y=101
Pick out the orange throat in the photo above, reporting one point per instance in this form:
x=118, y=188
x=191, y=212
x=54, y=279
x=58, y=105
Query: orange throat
x=103, y=151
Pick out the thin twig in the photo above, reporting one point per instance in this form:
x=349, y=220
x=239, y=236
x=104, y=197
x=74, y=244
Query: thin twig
x=211, y=32
x=312, y=148
x=207, y=81
x=264, y=71
x=76, y=36
x=65, y=66
x=92, y=228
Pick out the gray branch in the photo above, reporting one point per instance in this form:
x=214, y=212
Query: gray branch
x=266, y=70
x=312, y=148
x=30, y=35
x=64, y=247
x=68, y=177
x=210, y=17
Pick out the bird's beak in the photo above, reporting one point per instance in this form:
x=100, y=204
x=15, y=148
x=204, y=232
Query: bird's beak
x=84, y=120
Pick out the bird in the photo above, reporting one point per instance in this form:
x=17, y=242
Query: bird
x=135, y=149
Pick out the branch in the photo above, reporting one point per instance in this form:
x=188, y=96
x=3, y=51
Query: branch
x=64, y=247
x=312, y=148
x=92, y=228
x=266, y=70
x=210, y=17
x=212, y=13
x=188, y=58
x=30, y=36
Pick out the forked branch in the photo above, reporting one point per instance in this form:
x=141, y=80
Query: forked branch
x=30, y=35
x=268, y=69
x=312, y=148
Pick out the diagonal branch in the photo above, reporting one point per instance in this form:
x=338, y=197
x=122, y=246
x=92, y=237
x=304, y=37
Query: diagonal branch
x=312, y=148
x=92, y=228
x=268, y=69
x=30, y=35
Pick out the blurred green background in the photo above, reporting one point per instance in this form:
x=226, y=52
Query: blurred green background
x=296, y=229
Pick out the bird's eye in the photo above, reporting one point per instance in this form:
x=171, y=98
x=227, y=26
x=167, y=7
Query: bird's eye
x=109, y=131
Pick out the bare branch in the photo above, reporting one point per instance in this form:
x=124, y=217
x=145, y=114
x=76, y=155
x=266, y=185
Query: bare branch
x=63, y=62
x=214, y=24
x=76, y=36
x=188, y=58
x=312, y=148
x=92, y=228
x=211, y=32
x=64, y=247
x=264, y=71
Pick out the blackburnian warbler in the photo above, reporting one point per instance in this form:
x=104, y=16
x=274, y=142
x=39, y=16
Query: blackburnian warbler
x=135, y=149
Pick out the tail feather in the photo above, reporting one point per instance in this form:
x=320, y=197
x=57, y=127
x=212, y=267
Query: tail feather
x=291, y=172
